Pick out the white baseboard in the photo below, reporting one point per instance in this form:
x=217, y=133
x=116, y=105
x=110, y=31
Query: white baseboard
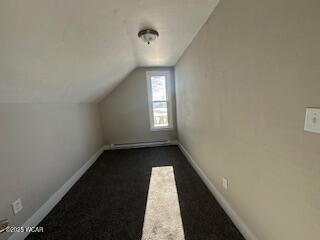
x=36, y=218
x=236, y=219
x=140, y=145
x=106, y=147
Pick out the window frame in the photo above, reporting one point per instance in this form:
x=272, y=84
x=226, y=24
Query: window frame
x=167, y=75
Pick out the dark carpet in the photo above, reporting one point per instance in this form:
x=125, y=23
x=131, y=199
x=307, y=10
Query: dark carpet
x=109, y=200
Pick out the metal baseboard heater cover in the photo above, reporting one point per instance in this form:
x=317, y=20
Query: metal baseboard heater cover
x=141, y=144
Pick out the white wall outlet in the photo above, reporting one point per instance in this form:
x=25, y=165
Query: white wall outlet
x=225, y=183
x=17, y=206
x=312, y=121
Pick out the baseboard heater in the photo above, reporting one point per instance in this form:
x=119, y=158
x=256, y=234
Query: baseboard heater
x=141, y=144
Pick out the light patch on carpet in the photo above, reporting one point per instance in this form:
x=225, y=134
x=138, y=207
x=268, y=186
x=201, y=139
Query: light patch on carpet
x=162, y=218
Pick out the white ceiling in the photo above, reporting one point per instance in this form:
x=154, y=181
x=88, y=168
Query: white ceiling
x=79, y=50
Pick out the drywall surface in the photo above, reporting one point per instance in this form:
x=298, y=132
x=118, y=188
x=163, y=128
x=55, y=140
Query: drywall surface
x=125, y=114
x=78, y=51
x=242, y=89
x=41, y=147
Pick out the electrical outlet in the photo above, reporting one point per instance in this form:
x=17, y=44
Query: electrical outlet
x=17, y=206
x=225, y=183
x=312, y=121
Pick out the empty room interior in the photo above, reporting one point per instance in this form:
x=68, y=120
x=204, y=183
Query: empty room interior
x=159, y=119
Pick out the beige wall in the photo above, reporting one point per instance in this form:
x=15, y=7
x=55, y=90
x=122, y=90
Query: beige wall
x=242, y=89
x=41, y=147
x=125, y=115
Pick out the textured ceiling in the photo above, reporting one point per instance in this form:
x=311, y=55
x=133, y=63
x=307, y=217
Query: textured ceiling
x=79, y=50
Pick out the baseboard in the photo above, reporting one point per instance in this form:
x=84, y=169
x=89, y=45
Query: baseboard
x=36, y=218
x=140, y=145
x=106, y=147
x=236, y=219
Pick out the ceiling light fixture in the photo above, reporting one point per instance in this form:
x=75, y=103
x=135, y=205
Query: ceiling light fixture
x=148, y=35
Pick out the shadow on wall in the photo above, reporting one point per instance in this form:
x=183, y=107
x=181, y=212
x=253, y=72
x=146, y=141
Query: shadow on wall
x=148, y=194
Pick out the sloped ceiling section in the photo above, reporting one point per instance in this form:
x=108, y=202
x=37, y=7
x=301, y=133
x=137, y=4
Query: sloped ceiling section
x=79, y=50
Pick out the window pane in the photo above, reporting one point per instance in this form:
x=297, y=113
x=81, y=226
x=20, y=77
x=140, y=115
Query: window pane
x=160, y=114
x=158, y=86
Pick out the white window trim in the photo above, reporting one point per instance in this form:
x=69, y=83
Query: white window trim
x=149, y=74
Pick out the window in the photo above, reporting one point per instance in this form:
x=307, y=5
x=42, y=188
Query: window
x=159, y=98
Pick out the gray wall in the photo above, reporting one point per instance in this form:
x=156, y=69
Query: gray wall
x=41, y=147
x=125, y=115
x=242, y=89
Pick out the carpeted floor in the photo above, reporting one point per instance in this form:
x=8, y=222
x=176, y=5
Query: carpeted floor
x=135, y=194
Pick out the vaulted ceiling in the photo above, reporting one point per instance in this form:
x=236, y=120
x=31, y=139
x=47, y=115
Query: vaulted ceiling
x=79, y=50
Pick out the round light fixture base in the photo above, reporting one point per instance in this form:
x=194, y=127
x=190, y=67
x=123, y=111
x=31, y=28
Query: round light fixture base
x=148, y=35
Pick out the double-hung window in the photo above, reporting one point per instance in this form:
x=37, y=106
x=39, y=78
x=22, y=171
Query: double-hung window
x=159, y=98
